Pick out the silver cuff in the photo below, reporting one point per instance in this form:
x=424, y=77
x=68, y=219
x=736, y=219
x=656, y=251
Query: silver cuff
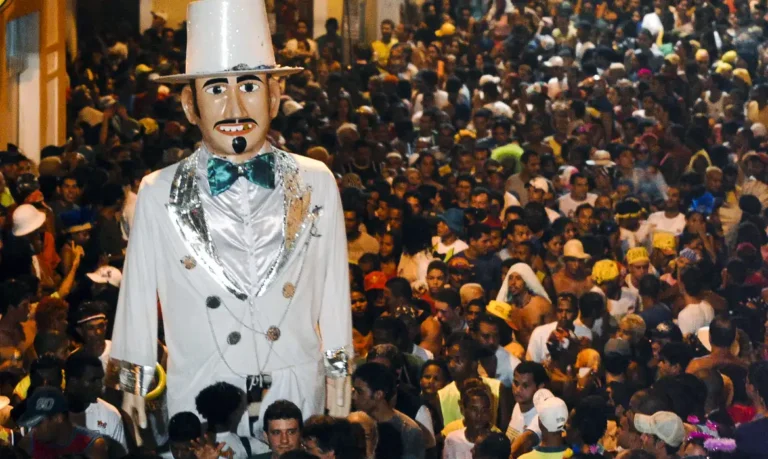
x=337, y=362
x=130, y=377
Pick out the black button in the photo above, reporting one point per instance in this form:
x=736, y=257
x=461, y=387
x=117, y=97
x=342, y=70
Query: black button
x=213, y=302
x=233, y=338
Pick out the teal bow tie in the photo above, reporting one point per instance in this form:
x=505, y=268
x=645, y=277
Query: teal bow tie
x=259, y=170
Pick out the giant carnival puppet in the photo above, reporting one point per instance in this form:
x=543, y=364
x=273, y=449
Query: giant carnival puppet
x=242, y=244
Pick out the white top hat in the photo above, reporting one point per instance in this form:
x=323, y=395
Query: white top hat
x=228, y=38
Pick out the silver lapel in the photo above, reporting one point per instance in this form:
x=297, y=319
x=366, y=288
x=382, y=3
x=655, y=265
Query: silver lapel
x=297, y=197
x=186, y=211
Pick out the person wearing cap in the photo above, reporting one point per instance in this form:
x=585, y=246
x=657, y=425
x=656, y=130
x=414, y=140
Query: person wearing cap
x=538, y=188
x=552, y=413
x=574, y=276
x=662, y=433
x=450, y=227
x=621, y=300
x=249, y=234
x=84, y=382
x=51, y=431
x=638, y=264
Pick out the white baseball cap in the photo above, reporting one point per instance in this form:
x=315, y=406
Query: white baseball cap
x=539, y=183
x=26, y=219
x=106, y=275
x=665, y=425
x=552, y=411
x=161, y=14
x=554, y=61
x=575, y=249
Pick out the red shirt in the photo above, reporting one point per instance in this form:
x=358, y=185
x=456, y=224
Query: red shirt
x=79, y=443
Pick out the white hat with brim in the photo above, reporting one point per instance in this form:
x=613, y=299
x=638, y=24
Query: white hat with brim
x=552, y=411
x=575, y=249
x=601, y=158
x=26, y=219
x=228, y=38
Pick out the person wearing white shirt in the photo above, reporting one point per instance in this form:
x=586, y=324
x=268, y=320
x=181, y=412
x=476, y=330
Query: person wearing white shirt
x=91, y=324
x=579, y=195
x=670, y=220
x=537, y=345
x=84, y=384
x=450, y=225
x=496, y=362
x=476, y=407
x=538, y=187
x=567, y=311
x=529, y=377
x=697, y=312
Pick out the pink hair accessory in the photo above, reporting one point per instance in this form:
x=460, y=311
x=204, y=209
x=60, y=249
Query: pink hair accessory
x=727, y=445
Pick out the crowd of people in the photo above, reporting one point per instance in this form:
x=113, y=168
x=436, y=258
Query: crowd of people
x=556, y=223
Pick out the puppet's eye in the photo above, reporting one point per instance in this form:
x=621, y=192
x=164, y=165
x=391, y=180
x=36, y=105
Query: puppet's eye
x=215, y=90
x=249, y=87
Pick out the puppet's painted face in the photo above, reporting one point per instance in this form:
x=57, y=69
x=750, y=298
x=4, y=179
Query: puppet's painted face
x=233, y=113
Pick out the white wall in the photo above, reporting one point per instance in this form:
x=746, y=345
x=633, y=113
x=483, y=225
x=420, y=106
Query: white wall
x=29, y=89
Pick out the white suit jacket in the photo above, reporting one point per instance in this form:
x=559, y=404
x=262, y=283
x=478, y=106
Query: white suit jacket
x=214, y=329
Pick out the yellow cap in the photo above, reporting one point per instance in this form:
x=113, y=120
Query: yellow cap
x=593, y=112
x=723, y=67
x=499, y=309
x=605, y=271
x=637, y=255
x=463, y=133
x=730, y=57
x=446, y=30
x=150, y=125
x=743, y=75
x=665, y=242
x=702, y=55
x=673, y=59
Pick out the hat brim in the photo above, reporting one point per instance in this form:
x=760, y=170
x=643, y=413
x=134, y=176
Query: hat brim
x=583, y=256
x=31, y=421
x=78, y=228
x=600, y=163
x=187, y=77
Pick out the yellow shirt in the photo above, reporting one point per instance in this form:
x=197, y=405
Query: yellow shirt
x=22, y=387
x=756, y=115
x=382, y=50
x=449, y=400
